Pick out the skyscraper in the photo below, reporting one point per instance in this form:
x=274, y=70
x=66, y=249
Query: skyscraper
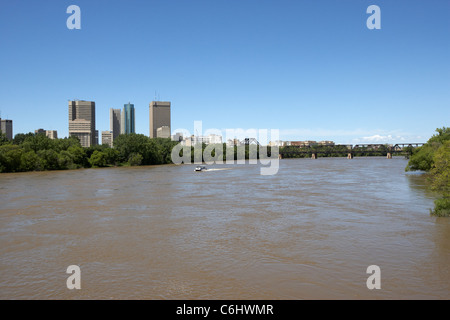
x=7, y=128
x=127, y=119
x=159, y=117
x=114, y=122
x=82, y=122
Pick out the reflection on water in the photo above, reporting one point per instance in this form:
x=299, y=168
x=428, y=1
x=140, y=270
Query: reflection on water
x=167, y=232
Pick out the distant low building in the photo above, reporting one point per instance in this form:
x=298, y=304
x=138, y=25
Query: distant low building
x=52, y=134
x=108, y=138
x=326, y=143
x=209, y=139
x=307, y=143
x=163, y=132
x=276, y=143
x=233, y=142
x=177, y=137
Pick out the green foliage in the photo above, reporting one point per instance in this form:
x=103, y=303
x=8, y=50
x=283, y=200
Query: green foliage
x=30, y=161
x=422, y=158
x=10, y=158
x=30, y=152
x=440, y=173
x=98, y=159
x=111, y=156
x=20, y=137
x=443, y=134
x=135, y=159
x=126, y=144
x=441, y=207
x=434, y=158
x=49, y=159
x=3, y=139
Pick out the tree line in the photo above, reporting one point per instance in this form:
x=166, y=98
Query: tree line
x=434, y=158
x=37, y=152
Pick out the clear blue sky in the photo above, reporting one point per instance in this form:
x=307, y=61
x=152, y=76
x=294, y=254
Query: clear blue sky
x=311, y=69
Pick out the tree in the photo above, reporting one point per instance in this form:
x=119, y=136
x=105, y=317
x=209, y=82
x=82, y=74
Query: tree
x=3, y=139
x=20, y=137
x=440, y=180
x=135, y=159
x=112, y=156
x=434, y=158
x=49, y=159
x=126, y=144
x=10, y=158
x=98, y=159
x=79, y=155
x=66, y=160
x=30, y=161
x=422, y=158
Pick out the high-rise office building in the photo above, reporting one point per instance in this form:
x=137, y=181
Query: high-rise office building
x=82, y=122
x=7, y=128
x=127, y=119
x=114, y=122
x=159, y=117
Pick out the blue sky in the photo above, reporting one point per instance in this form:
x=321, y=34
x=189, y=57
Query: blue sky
x=311, y=69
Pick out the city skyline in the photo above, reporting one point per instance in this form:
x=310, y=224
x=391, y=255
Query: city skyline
x=313, y=70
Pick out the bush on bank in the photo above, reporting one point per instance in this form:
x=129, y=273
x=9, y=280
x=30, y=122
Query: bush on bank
x=434, y=158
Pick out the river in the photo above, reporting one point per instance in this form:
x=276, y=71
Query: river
x=166, y=232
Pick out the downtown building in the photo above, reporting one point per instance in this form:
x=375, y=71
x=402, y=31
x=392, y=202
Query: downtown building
x=82, y=122
x=159, y=119
x=115, y=125
x=6, y=126
x=115, y=119
x=127, y=119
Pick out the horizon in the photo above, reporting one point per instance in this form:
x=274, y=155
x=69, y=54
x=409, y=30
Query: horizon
x=314, y=71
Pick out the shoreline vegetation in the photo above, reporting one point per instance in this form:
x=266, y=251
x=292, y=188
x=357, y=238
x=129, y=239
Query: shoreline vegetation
x=434, y=159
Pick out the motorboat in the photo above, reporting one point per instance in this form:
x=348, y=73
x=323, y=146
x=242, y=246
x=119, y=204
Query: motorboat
x=200, y=168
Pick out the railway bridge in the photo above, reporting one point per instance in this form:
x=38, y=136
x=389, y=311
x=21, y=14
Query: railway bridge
x=351, y=151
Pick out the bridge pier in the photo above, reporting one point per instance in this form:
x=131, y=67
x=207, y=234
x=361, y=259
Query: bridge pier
x=314, y=156
x=280, y=156
x=389, y=155
x=350, y=155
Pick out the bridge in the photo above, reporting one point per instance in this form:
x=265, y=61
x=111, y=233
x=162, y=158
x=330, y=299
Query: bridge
x=350, y=150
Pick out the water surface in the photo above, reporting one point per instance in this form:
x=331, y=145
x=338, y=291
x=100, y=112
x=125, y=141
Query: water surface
x=167, y=232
